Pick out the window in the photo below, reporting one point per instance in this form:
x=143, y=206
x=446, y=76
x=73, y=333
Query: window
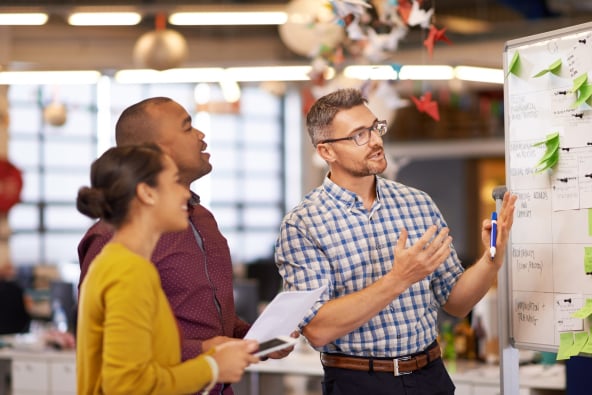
x=252, y=170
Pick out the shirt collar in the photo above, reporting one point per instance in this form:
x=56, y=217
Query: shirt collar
x=194, y=200
x=346, y=196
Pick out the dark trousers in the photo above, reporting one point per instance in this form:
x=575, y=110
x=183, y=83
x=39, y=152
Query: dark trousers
x=431, y=380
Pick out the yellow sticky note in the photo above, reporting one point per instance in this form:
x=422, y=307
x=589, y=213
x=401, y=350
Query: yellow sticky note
x=585, y=311
x=566, y=340
x=580, y=339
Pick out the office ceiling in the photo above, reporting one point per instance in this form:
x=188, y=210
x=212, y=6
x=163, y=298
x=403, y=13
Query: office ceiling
x=478, y=30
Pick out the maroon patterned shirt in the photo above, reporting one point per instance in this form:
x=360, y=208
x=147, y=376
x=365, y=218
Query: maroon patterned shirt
x=197, y=283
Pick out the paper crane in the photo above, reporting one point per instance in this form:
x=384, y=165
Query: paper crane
x=404, y=10
x=425, y=104
x=419, y=15
x=434, y=35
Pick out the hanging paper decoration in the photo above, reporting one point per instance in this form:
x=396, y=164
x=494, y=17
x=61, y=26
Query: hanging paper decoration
x=420, y=14
x=310, y=28
x=350, y=14
x=425, y=104
x=11, y=184
x=434, y=35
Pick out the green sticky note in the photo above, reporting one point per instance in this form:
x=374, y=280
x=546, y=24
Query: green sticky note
x=566, y=340
x=587, y=349
x=580, y=340
x=579, y=81
x=586, y=310
x=549, y=163
x=588, y=255
x=551, y=155
x=514, y=66
x=553, y=68
x=549, y=139
x=584, y=93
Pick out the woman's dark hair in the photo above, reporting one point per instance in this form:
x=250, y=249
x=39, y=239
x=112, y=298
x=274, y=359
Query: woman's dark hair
x=114, y=177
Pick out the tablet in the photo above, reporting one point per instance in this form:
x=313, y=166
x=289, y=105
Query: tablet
x=275, y=344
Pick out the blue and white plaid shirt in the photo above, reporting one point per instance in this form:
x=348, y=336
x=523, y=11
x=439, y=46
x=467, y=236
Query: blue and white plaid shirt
x=330, y=238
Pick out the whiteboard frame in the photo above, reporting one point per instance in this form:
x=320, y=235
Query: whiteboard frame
x=511, y=45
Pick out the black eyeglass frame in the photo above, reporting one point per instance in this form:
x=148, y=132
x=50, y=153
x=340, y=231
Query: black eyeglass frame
x=380, y=127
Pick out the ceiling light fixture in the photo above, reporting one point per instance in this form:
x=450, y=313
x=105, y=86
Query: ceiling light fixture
x=479, y=74
x=149, y=76
x=23, y=19
x=238, y=74
x=80, y=77
x=271, y=73
x=370, y=72
x=228, y=18
x=104, y=18
x=420, y=72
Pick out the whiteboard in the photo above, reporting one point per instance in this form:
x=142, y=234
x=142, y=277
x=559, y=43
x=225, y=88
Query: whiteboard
x=551, y=239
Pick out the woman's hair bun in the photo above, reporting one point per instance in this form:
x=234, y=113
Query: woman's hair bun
x=92, y=203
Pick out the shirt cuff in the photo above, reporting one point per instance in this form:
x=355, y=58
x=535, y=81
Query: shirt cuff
x=214, y=368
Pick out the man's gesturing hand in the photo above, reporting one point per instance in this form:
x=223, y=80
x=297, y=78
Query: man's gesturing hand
x=414, y=263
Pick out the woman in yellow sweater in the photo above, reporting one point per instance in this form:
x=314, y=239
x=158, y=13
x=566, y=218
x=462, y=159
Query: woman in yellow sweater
x=128, y=341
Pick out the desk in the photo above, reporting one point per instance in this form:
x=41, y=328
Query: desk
x=471, y=378
x=54, y=373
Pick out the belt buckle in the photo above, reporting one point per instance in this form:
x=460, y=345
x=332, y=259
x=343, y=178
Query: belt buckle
x=396, y=366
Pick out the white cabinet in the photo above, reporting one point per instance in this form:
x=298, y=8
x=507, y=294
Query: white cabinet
x=29, y=377
x=463, y=389
x=42, y=373
x=62, y=377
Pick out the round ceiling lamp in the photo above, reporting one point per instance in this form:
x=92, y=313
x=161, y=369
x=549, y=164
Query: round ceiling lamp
x=55, y=113
x=160, y=49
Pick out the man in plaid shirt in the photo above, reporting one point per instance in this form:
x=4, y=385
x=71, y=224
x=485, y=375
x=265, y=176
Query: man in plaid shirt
x=384, y=251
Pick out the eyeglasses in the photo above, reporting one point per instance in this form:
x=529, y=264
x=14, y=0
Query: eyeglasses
x=363, y=135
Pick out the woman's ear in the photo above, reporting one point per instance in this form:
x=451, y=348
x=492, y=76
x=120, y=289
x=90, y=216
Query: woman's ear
x=145, y=194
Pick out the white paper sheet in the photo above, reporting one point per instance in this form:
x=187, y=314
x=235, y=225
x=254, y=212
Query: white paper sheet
x=283, y=314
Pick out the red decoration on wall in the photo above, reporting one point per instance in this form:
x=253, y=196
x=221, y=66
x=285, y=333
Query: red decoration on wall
x=11, y=184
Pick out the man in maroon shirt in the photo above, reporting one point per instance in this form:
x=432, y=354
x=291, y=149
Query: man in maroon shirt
x=194, y=265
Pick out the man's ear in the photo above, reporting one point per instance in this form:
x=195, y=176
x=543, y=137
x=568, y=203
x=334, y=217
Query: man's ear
x=145, y=193
x=326, y=152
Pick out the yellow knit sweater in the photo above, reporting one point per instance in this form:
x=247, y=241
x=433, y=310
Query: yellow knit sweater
x=127, y=337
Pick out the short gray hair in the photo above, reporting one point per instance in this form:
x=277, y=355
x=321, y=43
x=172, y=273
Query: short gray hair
x=323, y=111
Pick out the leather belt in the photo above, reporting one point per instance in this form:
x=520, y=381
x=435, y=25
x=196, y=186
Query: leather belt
x=397, y=366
